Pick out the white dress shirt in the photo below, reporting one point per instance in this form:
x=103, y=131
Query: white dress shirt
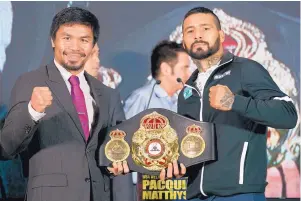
x=36, y=116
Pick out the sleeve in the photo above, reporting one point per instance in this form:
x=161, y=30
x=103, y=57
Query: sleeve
x=264, y=102
x=19, y=127
x=36, y=116
x=134, y=104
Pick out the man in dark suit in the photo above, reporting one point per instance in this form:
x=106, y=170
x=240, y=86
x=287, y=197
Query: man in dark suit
x=59, y=114
x=122, y=185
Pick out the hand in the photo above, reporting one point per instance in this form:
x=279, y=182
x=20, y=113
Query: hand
x=41, y=98
x=221, y=97
x=119, y=168
x=173, y=169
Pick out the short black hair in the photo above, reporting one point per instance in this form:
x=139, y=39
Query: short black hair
x=75, y=15
x=164, y=51
x=204, y=10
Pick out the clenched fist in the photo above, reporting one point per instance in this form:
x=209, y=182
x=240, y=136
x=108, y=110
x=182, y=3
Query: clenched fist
x=221, y=97
x=41, y=98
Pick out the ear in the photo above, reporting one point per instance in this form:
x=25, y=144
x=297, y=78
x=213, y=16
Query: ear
x=52, y=43
x=222, y=36
x=165, y=68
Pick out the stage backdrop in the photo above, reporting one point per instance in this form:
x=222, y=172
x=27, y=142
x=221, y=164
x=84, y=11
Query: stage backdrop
x=268, y=32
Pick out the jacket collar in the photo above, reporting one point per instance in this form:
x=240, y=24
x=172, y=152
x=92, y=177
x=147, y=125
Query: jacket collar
x=226, y=58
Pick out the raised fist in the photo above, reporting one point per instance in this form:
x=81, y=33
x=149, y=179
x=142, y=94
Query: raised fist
x=221, y=97
x=41, y=98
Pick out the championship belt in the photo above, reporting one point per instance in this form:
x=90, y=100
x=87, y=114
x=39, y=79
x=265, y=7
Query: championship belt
x=155, y=137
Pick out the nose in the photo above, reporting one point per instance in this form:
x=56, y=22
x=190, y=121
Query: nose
x=74, y=45
x=198, y=34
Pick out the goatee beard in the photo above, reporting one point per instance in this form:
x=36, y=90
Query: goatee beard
x=72, y=68
x=200, y=55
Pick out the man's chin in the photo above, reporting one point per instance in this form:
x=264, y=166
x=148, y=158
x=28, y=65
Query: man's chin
x=200, y=56
x=73, y=67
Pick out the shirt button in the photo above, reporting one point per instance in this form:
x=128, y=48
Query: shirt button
x=87, y=180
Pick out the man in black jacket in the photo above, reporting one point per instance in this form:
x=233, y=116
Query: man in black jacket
x=241, y=98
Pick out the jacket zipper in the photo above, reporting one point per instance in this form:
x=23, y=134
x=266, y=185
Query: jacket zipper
x=201, y=111
x=201, y=119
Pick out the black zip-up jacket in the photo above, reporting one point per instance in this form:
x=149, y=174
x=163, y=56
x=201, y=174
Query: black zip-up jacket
x=241, y=163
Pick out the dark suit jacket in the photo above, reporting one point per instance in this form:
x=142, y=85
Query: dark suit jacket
x=62, y=166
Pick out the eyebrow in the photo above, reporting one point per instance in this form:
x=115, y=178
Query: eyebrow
x=64, y=33
x=191, y=26
x=86, y=36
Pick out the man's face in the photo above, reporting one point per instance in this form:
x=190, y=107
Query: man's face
x=73, y=45
x=180, y=70
x=92, y=64
x=201, y=37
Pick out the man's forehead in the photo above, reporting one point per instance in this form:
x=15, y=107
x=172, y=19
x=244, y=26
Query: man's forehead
x=72, y=24
x=199, y=19
x=75, y=26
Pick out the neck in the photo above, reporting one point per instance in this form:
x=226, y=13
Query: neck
x=204, y=64
x=169, y=88
x=73, y=72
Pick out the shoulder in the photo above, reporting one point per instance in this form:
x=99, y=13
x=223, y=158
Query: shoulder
x=139, y=95
x=32, y=77
x=248, y=69
x=248, y=65
x=142, y=92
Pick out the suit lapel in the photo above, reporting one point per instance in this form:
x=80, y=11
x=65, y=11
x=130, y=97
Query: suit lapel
x=101, y=106
x=60, y=91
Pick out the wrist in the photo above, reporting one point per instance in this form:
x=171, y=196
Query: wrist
x=240, y=104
